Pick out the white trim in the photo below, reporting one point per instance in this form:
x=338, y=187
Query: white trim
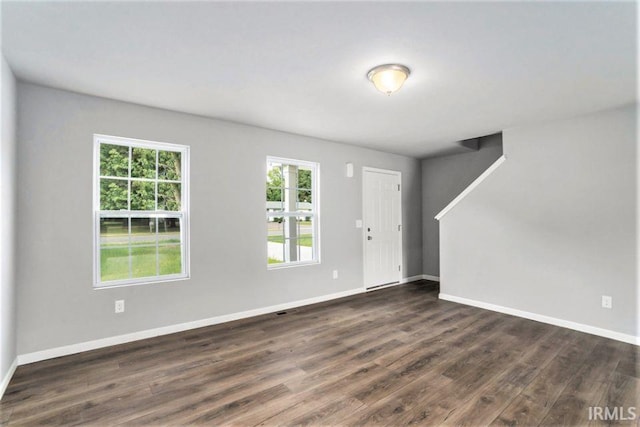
x=401, y=282
x=430, y=277
x=637, y=111
x=389, y=285
x=289, y=161
x=141, y=282
x=545, y=319
x=471, y=186
x=291, y=265
x=7, y=378
x=401, y=226
x=387, y=171
x=142, y=143
x=165, y=330
x=412, y=279
x=364, y=233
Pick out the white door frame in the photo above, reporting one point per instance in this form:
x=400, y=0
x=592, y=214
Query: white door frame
x=364, y=226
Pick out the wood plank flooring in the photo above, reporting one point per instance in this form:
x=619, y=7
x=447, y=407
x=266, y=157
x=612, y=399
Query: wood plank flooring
x=397, y=356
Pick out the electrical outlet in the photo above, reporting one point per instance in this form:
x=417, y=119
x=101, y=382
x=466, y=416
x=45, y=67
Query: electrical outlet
x=607, y=301
x=335, y=274
x=120, y=306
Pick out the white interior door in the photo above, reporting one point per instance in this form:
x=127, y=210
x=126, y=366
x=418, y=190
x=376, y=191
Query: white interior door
x=382, y=219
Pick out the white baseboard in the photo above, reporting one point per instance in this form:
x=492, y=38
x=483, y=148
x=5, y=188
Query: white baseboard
x=401, y=282
x=418, y=277
x=545, y=319
x=411, y=279
x=165, y=330
x=7, y=378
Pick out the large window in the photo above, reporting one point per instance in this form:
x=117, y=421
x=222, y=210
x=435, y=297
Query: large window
x=292, y=212
x=141, y=211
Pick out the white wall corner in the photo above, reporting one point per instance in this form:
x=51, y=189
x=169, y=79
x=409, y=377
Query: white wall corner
x=7, y=378
x=637, y=186
x=638, y=197
x=495, y=165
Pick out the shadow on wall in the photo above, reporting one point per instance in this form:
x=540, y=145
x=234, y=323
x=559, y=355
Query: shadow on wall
x=443, y=178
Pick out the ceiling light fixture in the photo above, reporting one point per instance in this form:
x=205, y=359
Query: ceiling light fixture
x=388, y=78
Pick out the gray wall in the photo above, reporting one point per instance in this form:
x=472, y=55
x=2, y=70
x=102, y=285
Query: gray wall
x=443, y=179
x=7, y=220
x=56, y=303
x=554, y=228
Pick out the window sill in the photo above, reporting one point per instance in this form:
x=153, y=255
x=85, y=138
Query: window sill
x=291, y=265
x=143, y=281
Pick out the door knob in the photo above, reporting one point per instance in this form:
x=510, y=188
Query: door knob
x=369, y=238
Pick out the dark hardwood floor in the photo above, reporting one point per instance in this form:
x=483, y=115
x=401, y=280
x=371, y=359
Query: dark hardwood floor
x=396, y=356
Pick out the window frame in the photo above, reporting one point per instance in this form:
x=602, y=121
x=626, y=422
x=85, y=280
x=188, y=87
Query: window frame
x=315, y=210
x=183, y=214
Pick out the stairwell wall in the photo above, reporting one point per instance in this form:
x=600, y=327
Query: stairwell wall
x=443, y=178
x=554, y=228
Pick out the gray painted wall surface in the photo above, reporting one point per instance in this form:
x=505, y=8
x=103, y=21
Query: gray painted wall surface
x=554, y=228
x=7, y=221
x=56, y=303
x=443, y=179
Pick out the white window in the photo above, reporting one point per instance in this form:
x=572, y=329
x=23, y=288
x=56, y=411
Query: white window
x=141, y=211
x=292, y=212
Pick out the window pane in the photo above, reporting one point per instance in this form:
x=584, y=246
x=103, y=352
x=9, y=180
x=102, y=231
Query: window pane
x=304, y=247
x=114, y=232
x=114, y=263
x=143, y=261
x=168, y=231
x=304, y=178
x=114, y=160
x=304, y=200
x=169, y=196
x=169, y=165
x=113, y=194
x=114, y=248
x=143, y=196
x=275, y=240
x=143, y=231
x=273, y=206
x=143, y=247
x=170, y=257
x=275, y=183
x=274, y=194
x=170, y=250
x=143, y=163
x=274, y=186
x=290, y=239
x=304, y=234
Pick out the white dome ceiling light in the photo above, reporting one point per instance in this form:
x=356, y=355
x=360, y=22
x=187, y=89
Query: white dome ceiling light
x=388, y=78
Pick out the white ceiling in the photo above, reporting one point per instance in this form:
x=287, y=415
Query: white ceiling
x=477, y=68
